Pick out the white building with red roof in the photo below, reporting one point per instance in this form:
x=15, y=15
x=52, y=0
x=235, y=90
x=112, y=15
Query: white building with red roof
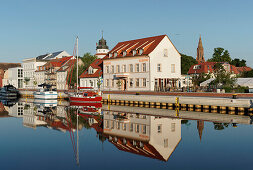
x=151, y=63
x=91, y=76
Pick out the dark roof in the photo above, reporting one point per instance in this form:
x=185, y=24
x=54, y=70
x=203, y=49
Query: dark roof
x=48, y=56
x=6, y=66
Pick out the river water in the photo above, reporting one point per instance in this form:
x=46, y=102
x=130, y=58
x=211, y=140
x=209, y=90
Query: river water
x=38, y=136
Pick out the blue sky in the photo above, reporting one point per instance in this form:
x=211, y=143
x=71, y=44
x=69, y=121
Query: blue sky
x=29, y=28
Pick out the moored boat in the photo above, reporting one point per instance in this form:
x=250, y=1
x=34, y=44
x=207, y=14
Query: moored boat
x=9, y=92
x=45, y=92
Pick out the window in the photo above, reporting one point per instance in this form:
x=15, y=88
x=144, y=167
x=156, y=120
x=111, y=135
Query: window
x=90, y=70
x=140, y=51
x=112, y=83
x=165, y=52
x=107, y=69
x=137, y=82
x=124, y=68
x=137, y=128
x=91, y=83
x=144, y=82
x=173, y=68
x=131, y=127
x=107, y=123
x=134, y=52
x=124, y=53
x=131, y=82
x=117, y=69
x=107, y=82
x=118, y=125
x=115, y=54
x=166, y=142
x=143, y=67
x=112, y=69
x=137, y=67
x=159, y=68
x=144, y=130
x=124, y=126
x=110, y=55
x=173, y=127
x=112, y=124
x=131, y=68
x=159, y=128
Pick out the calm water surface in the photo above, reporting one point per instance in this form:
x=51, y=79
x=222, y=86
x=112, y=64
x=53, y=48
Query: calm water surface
x=37, y=137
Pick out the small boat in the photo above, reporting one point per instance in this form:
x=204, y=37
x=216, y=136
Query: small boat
x=84, y=94
x=9, y=92
x=45, y=92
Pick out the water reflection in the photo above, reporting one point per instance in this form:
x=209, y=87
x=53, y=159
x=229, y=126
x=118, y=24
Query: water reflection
x=152, y=133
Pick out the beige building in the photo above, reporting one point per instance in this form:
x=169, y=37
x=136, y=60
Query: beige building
x=144, y=64
x=151, y=136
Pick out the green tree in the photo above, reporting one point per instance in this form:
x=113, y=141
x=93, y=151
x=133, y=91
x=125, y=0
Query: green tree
x=246, y=74
x=197, y=79
x=220, y=55
x=238, y=63
x=222, y=77
x=87, y=60
x=186, y=63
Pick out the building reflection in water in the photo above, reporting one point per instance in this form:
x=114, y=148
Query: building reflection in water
x=150, y=136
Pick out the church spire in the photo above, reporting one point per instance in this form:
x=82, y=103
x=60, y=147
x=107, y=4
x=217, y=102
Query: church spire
x=200, y=126
x=200, y=52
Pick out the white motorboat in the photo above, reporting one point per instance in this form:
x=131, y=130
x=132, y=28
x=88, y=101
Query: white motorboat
x=45, y=92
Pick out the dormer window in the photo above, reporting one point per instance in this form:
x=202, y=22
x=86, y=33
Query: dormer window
x=110, y=55
x=115, y=54
x=124, y=53
x=134, y=52
x=140, y=51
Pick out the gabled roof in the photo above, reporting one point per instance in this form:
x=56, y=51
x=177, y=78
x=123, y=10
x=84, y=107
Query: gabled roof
x=56, y=62
x=95, y=65
x=67, y=65
x=147, y=44
x=208, y=67
x=49, y=56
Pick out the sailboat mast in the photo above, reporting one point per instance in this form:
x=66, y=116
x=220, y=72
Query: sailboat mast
x=77, y=65
x=77, y=140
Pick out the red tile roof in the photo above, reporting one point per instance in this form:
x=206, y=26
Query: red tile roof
x=242, y=69
x=55, y=63
x=147, y=44
x=95, y=65
x=208, y=66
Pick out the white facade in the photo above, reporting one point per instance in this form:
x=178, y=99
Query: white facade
x=61, y=80
x=142, y=72
x=89, y=82
x=29, y=67
x=14, y=77
x=100, y=53
x=162, y=133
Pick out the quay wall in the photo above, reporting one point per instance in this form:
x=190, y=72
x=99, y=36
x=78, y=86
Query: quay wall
x=212, y=117
x=214, y=101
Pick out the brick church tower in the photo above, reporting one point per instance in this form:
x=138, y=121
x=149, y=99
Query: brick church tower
x=200, y=52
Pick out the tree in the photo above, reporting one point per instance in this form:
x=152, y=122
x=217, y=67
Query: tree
x=197, y=79
x=186, y=63
x=246, y=74
x=220, y=55
x=87, y=60
x=238, y=63
x=26, y=79
x=222, y=77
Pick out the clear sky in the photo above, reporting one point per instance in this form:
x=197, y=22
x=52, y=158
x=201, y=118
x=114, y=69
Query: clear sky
x=29, y=28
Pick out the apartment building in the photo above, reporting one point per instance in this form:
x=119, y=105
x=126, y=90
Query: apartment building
x=144, y=64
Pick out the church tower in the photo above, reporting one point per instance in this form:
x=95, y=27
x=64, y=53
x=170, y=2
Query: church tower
x=102, y=49
x=200, y=52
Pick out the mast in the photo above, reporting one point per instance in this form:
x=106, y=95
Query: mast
x=77, y=65
x=77, y=140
